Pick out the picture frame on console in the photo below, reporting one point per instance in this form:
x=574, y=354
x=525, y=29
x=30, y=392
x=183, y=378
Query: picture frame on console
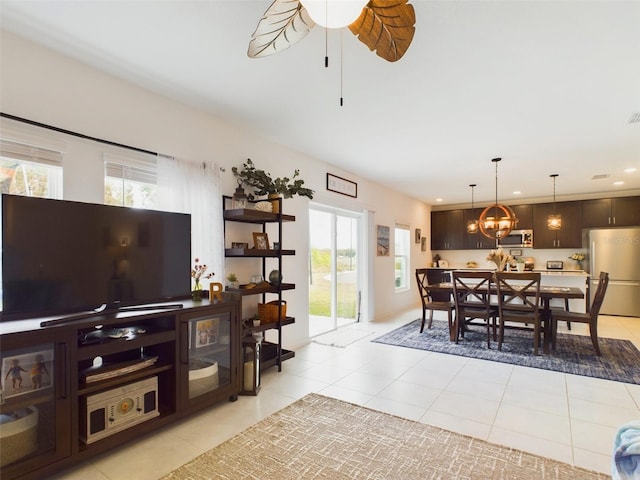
x=23, y=374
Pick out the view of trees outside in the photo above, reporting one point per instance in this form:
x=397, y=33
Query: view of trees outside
x=128, y=193
x=321, y=252
x=320, y=283
x=26, y=178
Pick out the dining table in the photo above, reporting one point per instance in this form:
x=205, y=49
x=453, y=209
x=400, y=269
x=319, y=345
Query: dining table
x=547, y=293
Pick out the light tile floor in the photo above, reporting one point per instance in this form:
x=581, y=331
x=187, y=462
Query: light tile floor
x=570, y=418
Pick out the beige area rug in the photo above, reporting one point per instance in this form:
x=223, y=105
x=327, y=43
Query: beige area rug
x=322, y=438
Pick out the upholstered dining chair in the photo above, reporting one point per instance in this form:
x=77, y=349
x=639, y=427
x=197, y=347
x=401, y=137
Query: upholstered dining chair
x=519, y=302
x=431, y=305
x=472, y=297
x=590, y=317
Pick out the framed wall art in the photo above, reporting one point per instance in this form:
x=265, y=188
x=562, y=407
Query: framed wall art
x=342, y=185
x=382, y=240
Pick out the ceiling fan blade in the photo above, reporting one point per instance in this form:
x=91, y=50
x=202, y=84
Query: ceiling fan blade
x=386, y=26
x=284, y=23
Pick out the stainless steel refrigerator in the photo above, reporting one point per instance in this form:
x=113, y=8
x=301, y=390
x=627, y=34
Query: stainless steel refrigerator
x=617, y=251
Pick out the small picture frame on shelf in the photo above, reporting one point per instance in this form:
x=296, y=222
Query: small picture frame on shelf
x=207, y=332
x=28, y=372
x=239, y=245
x=260, y=241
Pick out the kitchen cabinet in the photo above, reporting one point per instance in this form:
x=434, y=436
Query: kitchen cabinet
x=611, y=212
x=569, y=236
x=447, y=230
x=524, y=214
x=475, y=241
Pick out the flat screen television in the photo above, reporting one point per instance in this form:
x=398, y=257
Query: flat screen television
x=64, y=257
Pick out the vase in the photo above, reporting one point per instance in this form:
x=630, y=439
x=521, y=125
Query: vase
x=275, y=200
x=196, y=292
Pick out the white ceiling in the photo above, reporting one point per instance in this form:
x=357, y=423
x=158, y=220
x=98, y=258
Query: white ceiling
x=549, y=86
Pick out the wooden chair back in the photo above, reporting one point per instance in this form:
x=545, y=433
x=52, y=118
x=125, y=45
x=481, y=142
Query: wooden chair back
x=598, y=298
x=471, y=290
x=518, y=292
x=423, y=286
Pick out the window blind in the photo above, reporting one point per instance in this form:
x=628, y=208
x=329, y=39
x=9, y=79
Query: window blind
x=30, y=153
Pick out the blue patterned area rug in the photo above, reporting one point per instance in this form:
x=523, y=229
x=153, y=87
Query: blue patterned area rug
x=574, y=353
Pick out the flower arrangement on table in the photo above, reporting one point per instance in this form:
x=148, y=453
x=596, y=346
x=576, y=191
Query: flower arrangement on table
x=198, y=272
x=578, y=257
x=500, y=258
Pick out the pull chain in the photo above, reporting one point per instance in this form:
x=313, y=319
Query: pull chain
x=341, y=59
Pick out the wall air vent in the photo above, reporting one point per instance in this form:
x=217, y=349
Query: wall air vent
x=635, y=118
x=602, y=176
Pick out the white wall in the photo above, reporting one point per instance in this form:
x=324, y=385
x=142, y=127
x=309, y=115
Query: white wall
x=43, y=86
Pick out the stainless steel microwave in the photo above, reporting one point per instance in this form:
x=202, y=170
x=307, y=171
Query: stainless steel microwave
x=517, y=238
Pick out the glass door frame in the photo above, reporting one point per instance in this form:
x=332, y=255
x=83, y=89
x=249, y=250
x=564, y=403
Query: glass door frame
x=360, y=219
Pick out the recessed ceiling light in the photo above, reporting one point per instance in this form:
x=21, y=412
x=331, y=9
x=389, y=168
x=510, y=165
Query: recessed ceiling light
x=517, y=192
x=630, y=170
x=618, y=183
x=439, y=200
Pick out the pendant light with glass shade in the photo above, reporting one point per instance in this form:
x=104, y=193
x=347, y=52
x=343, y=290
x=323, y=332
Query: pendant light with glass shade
x=472, y=225
x=496, y=221
x=554, y=221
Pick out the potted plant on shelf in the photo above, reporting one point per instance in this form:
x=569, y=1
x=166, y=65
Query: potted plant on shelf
x=263, y=184
x=233, y=280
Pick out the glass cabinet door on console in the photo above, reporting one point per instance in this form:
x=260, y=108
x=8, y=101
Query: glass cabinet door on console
x=208, y=350
x=34, y=403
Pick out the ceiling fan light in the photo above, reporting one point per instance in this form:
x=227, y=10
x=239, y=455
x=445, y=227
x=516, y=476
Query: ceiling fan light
x=334, y=13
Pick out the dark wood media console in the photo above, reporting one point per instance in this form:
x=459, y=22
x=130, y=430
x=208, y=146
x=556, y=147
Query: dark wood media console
x=73, y=389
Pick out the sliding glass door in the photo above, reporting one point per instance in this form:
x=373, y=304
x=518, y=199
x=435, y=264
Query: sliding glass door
x=334, y=279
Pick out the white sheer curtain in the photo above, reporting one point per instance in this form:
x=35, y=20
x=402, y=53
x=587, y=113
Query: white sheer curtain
x=194, y=188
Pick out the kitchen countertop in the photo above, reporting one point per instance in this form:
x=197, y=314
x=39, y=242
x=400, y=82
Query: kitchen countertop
x=543, y=271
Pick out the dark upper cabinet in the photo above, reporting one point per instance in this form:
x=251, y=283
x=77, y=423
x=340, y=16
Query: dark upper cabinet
x=475, y=241
x=524, y=214
x=611, y=212
x=569, y=236
x=447, y=230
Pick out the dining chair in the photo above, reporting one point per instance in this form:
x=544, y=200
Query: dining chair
x=472, y=298
x=590, y=317
x=431, y=305
x=519, y=302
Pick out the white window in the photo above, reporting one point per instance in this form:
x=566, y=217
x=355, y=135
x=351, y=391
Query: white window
x=30, y=171
x=402, y=248
x=130, y=182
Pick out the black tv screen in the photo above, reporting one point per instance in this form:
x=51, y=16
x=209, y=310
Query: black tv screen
x=62, y=257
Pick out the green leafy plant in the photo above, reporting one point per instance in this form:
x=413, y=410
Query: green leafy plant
x=263, y=184
x=232, y=277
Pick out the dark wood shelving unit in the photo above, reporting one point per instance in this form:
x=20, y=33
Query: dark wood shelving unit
x=276, y=354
